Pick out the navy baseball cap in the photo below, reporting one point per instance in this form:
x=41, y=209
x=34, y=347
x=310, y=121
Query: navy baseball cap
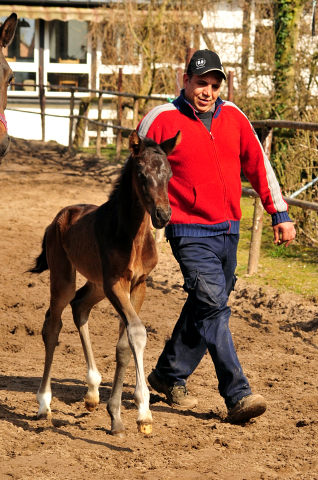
x=203, y=61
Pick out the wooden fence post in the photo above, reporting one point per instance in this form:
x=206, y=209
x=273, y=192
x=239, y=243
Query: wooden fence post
x=136, y=111
x=230, y=78
x=179, y=81
x=256, y=238
x=159, y=235
x=190, y=52
x=120, y=113
x=42, y=103
x=99, y=128
x=70, y=134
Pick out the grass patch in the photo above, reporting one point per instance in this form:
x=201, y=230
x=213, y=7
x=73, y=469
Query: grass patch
x=293, y=269
x=109, y=153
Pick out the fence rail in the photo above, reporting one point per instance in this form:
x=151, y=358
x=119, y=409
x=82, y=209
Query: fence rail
x=267, y=136
x=267, y=127
x=90, y=120
x=98, y=123
x=284, y=124
x=92, y=90
x=249, y=192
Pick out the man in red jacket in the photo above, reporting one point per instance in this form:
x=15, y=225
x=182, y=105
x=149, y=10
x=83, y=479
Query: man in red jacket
x=204, y=192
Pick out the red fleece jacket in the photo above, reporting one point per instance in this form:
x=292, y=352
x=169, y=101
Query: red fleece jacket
x=206, y=187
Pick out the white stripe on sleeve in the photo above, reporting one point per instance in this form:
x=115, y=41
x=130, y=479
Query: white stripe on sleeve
x=273, y=185
x=151, y=116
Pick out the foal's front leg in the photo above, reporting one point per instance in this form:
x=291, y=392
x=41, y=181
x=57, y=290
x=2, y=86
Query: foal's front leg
x=141, y=395
x=123, y=354
x=137, y=337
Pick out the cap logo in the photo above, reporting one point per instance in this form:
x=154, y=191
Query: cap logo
x=200, y=62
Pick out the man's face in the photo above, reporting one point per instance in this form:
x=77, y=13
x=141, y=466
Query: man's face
x=202, y=90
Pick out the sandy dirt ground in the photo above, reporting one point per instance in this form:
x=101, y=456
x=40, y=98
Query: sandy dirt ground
x=275, y=335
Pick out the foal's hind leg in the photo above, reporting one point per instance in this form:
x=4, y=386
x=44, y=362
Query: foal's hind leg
x=62, y=292
x=85, y=298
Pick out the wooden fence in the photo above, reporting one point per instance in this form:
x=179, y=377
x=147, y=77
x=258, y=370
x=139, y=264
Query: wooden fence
x=267, y=135
x=98, y=122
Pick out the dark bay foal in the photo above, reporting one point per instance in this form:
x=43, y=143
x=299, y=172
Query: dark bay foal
x=112, y=246
x=7, y=31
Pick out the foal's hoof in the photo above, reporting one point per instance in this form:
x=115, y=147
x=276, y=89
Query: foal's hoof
x=90, y=406
x=145, y=428
x=91, y=401
x=118, y=433
x=44, y=416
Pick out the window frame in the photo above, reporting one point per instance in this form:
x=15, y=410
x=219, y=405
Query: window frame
x=65, y=68
x=28, y=67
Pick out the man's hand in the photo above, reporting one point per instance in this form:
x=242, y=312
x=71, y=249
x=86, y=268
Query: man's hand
x=284, y=233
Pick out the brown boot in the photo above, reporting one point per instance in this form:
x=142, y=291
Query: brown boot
x=176, y=394
x=247, y=408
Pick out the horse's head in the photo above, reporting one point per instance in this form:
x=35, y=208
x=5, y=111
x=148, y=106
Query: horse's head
x=7, y=31
x=152, y=173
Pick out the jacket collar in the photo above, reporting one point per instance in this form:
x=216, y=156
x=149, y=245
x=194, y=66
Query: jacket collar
x=186, y=108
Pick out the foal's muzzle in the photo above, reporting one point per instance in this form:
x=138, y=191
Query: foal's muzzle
x=160, y=217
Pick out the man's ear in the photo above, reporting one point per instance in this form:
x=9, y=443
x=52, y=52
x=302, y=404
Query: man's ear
x=186, y=79
x=134, y=143
x=7, y=30
x=169, y=145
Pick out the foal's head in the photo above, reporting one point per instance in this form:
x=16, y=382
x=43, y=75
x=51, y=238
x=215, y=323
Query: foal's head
x=152, y=173
x=7, y=31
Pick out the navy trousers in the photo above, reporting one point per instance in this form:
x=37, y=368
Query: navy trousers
x=208, y=265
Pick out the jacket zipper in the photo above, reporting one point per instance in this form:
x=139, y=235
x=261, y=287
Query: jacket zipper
x=216, y=156
x=219, y=166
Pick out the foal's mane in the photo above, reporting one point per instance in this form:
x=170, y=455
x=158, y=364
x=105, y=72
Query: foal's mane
x=126, y=170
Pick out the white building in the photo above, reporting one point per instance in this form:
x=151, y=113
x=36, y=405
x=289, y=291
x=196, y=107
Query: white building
x=55, y=41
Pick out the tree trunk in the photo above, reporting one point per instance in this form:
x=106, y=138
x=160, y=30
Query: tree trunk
x=246, y=44
x=81, y=122
x=287, y=18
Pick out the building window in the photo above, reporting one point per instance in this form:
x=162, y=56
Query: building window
x=67, y=80
x=67, y=56
x=23, y=57
x=68, y=41
x=28, y=79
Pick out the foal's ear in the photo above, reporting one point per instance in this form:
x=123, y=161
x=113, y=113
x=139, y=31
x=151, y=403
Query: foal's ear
x=134, y=143
x=7, y=30
x=169, y=145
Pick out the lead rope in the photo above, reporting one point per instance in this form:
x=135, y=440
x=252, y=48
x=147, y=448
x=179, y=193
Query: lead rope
x=3, y=120
x=313, y=29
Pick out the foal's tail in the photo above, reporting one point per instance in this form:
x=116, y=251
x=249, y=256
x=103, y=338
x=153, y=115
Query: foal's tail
x=40, y=264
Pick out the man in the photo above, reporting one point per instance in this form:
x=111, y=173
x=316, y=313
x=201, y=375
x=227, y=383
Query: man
x=204, y=193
